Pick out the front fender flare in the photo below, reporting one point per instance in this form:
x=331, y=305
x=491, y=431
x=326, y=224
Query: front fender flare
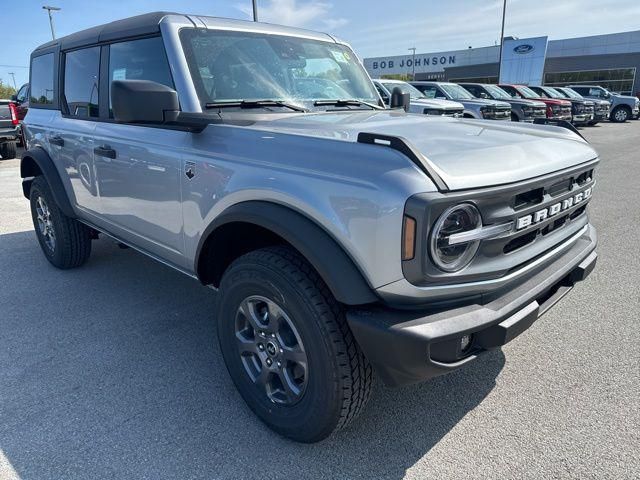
x=36, y=161
x=322, y=251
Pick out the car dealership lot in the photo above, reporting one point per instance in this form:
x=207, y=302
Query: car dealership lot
x=113, y=371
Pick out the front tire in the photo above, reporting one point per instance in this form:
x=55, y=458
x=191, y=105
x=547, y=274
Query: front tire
x=65, y=242
x=620, y=115
x=287, y=346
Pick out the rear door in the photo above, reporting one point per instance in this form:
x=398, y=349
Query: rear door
x=139, y=168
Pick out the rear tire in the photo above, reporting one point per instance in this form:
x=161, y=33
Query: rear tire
x=272, y=300
x=65, y=242
x=620, y=114
x=8, y=150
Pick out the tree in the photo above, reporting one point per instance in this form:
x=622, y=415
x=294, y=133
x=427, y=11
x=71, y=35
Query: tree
x=6, y=90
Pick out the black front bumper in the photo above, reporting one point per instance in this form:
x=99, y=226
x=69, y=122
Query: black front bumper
x=411, y=346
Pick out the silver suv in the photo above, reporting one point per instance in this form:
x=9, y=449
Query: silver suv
x=623, y=107
x=418, y=102
x=344, y=239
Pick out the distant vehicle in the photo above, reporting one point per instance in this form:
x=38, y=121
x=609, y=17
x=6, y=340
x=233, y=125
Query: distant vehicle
x=623, y=107
x=556, y=109
x=419, y=103
x=21, y=101
x=480, y=108
x=9, y=131
x=582, y=111
x=601, y=107
x=522, y=110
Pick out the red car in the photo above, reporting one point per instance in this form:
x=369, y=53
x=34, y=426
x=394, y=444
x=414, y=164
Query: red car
x=556, y=109
x=21, y=101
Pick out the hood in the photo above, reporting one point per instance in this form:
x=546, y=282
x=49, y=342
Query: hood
x=483, y=102
x=465, y=153
x=438, y=103
x=525, y=102
x=628, y=98
x=554, y=101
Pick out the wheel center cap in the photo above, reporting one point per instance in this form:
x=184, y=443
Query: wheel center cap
x=271, y=348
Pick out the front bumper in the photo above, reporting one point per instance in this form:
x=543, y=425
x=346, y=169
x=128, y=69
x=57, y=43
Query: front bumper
x=409, y=346
x=582, y=118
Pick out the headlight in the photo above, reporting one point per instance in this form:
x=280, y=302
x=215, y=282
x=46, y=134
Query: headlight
x=457, y=219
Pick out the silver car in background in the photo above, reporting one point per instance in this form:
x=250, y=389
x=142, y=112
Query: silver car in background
x=522, y=110
x=419, y=102
x=479, y=108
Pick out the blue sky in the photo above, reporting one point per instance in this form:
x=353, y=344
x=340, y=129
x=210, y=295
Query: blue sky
x=373, y=27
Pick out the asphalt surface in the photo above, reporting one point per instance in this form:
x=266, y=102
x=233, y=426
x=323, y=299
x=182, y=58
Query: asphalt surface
x=113, y=371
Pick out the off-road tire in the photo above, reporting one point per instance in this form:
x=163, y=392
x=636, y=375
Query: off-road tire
x=8, y=150
x=339, y=376
x=72, y=239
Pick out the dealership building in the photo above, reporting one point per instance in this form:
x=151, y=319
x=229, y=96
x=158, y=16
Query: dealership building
x=612, y=61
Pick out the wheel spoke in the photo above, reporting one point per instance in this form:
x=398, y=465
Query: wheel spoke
x=246, y=346
x=291, y=390
x=263, y=377
x=295, y=355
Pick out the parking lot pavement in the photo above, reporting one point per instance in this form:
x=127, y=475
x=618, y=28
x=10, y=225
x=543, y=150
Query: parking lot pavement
x=113, y=371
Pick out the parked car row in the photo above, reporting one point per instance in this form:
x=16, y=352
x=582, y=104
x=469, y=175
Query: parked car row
x=518, y=103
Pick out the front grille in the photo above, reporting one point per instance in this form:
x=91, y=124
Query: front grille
x=565, y=110
x=589, y=109
x=540, y=112
x=510, y=204
x=453, y=113
x=502, y=112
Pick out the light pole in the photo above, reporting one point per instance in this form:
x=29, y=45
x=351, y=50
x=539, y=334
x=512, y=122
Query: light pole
x=504, y=11
x=255, y=10
x=49, y=10
x=413, y=63
x=13, y=75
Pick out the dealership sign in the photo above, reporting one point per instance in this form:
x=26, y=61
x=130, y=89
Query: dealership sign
x=393, y=62
x=523, y=60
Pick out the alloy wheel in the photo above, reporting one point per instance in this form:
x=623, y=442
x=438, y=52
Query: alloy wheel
x=271, y=350
x=45, y=225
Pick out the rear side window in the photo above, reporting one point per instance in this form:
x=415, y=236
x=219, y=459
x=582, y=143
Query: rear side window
x=42, y=74
x=81, y=80
x=143, y=59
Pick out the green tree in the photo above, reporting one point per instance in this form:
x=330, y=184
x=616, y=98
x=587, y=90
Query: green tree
x=6, y=90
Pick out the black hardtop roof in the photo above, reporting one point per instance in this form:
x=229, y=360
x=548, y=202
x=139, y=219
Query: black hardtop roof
x=128, y=27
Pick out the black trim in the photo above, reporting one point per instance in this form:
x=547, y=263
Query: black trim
x=558, y=123
x=332, y=263
x=50, y=173
x=403, y=146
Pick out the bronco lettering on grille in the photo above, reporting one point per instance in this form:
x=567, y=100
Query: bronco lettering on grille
x=550, y=211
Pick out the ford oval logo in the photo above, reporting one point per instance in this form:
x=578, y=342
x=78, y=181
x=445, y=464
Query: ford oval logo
x=524, y=48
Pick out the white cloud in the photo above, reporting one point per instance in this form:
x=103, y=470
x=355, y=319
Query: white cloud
x=295, y=13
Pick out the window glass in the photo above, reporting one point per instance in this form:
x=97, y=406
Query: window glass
x=383, y=94
x=413, y=92
x=22, y=93
x=428, y=91
x=143, y=59
x=81, y=76
x=42, y=80
x=235, y=66
x=456, y=92
x=614, y=79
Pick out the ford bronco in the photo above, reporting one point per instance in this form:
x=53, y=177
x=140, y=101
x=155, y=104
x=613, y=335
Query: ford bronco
x=344, y=239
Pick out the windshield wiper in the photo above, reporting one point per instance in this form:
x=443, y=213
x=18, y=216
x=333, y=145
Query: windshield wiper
x=345, y=103
x=256, y=104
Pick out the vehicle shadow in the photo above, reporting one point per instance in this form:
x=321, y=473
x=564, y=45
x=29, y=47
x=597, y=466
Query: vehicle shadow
x=113, y=370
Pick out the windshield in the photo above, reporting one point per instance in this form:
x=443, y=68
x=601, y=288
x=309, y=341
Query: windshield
x=406, y=88
x=228, y=66
x=551, y=93
x=526, y=92
x=570, y=93
x=456, y=92
x=496, y=92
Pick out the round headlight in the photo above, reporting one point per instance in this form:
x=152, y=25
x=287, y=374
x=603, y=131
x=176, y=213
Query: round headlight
x=457, y=219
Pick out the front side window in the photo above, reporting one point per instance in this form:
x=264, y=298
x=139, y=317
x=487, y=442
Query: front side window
x=229, y=66
x=42, y=73
x=143, y=59
x=22, y=94
x=81, y=79
x=383, y=94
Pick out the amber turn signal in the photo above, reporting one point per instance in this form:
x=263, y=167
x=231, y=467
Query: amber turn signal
x=408, y=238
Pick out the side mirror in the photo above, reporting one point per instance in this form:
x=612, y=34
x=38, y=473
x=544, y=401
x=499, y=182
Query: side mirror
x=143, y=101
x=399, y=99
x=14, y=98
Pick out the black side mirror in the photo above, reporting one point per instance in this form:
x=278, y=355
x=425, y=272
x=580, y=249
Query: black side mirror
x=14, y=98
x=143, y=101
x=399, y=99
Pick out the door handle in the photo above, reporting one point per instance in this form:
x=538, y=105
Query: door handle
x=57, y=140
x=105, y=151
